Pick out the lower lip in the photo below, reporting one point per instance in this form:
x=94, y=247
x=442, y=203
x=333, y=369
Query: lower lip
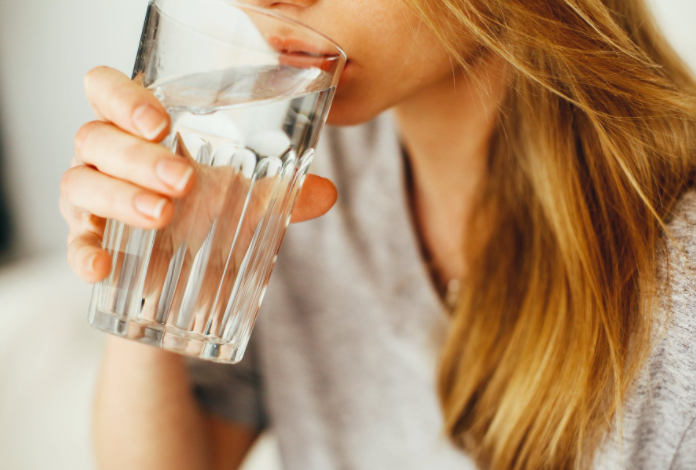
x=304, y=61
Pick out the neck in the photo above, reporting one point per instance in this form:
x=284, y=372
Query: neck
x=446, y=130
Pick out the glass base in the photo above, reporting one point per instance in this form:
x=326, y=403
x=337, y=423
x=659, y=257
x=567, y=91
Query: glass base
x=167, y=337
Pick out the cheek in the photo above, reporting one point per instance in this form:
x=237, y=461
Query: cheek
x=391, y=56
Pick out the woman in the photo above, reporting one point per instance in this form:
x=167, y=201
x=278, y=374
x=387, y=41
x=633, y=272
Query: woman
x=541, y=154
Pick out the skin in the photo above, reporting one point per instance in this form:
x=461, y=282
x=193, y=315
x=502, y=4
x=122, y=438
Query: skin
x=445, y=119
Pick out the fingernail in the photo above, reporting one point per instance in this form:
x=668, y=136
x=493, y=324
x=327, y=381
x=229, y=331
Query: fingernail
x=174, y=173
x=149, y=121
x=89, y=261
x=150, y=206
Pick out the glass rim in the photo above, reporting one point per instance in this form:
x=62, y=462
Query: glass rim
x=277, y=16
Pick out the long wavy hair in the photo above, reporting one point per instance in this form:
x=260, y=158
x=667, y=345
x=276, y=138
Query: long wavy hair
x=594, y=145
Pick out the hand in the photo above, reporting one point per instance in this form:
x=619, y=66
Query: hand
x=120, y=171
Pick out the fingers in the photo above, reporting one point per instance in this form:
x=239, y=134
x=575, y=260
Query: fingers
x=90, y=191
x=117, y=99
x=317, y=197
x=130, y=158
x=87, y=258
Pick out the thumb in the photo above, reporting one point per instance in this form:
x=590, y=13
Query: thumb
x=317, y=197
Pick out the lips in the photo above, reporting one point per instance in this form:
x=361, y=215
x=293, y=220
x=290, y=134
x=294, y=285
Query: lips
x=297, y=53
x=292, y=45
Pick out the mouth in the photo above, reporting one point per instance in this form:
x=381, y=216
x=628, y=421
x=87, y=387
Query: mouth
x=296, y=46
x=297, y=53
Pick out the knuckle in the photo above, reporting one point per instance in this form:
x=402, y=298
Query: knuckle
x=113, y=199
x=83, y=133
x=134, y=147
x=141, y=157
x=94, y=73
x=67, y=182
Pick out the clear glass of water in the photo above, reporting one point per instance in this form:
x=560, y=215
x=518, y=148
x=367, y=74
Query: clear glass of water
x=248, y=92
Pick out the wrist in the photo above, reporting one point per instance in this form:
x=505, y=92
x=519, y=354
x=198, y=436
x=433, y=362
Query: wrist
x=134, y=354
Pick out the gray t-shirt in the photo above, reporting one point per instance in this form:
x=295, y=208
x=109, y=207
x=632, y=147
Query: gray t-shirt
x=342, y=363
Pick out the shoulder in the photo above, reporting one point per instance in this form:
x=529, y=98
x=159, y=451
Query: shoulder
x=682, y=227
x=677, y=269
x=660, y=411
x=674, y=354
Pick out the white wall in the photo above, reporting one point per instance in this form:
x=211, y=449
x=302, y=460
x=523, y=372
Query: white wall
x=677, y=18
x=46, y=46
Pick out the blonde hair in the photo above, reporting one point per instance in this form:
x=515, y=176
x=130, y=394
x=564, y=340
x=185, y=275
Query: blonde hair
x=594, y=145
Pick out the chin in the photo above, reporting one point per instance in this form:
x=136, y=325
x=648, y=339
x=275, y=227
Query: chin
x=352, y=112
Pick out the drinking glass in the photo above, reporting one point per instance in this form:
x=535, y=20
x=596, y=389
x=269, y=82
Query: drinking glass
x=248, y=92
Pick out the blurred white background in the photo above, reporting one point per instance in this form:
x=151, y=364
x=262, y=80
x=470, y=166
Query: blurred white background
x=48, y=353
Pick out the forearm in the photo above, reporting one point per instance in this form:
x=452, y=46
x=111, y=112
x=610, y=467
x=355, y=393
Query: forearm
x=145, y=414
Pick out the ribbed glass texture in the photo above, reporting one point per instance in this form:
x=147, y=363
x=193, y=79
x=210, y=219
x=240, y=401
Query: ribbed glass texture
x=248, y=93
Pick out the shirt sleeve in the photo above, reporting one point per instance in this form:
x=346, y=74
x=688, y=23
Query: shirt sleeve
x=233, y=392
